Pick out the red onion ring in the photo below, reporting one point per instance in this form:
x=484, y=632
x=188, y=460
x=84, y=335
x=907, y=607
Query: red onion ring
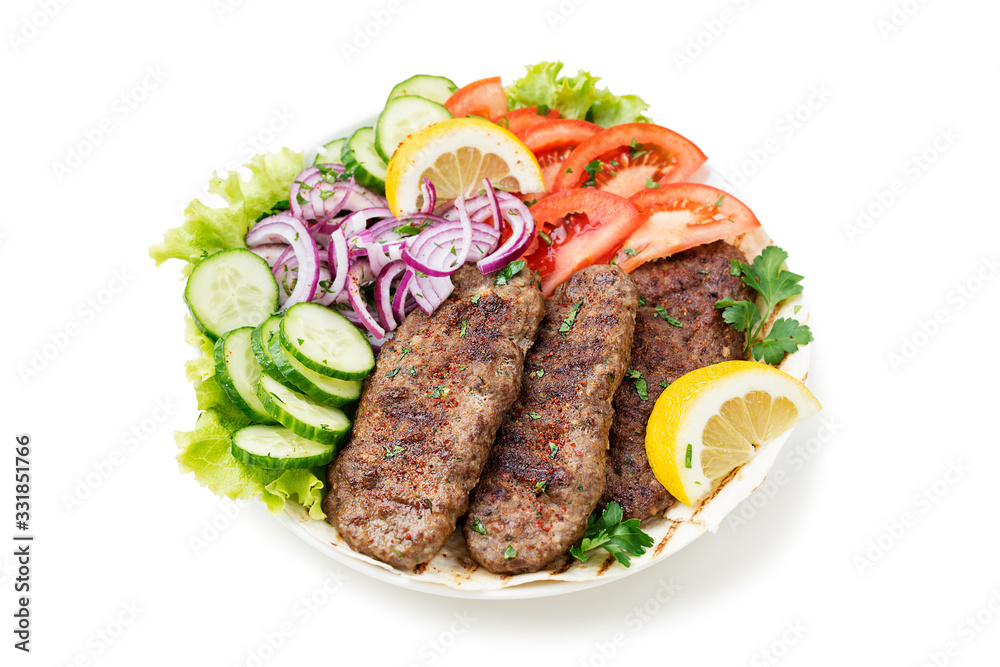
x=291, y=230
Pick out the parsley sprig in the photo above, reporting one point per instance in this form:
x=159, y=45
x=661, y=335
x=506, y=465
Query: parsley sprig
x=508, y=272
x=622, y=539
x=774, y=284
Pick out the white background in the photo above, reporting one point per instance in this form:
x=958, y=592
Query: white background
x=870, y=549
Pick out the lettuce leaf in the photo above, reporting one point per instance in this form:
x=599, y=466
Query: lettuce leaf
x=207, y=229
x=206, y=451
x=574, y=97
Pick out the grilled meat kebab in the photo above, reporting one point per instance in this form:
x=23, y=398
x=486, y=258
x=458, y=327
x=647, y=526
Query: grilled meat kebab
x=428, y=417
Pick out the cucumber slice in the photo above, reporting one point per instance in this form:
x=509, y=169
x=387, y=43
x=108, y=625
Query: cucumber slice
x=323, y=340
x=361, y=159
x=327, y=390
x=230, y=289
x=260, y=341
x=402, y=117
x=277, y=447
x=238, y=372
x=301, y=414
x=434, y=88
x=330, y=153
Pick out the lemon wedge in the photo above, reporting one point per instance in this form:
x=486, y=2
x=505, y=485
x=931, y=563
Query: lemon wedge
x=456, y=155
x=713, y=419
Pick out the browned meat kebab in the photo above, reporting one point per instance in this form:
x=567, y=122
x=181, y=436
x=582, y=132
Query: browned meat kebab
x=546, y=472
x=683, y=288
x=428, y=416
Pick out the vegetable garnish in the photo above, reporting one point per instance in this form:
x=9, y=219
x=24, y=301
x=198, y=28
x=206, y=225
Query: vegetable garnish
x=622, y=539
x=774, y=284
x=640, y=383
x=570, y=319
x=509, y=271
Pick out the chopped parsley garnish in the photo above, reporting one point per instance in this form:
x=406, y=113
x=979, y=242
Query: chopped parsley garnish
x=569, y=171
x=438, y=391
x=545, y=237
x=687, y=456
x=705, y=272
x=640, y=383
x=630, y=252
x=393, y=451
x=553, y=450
x=543, y=110
x=540, y=373
x=475, y=298
x=650, y=183
x=642, y=300
x=463, y=327
x=635, y=149
x=477, y=525
x=718, y=202
x=622, y=539
x=393, y=373
x=301, y=340
x=505, y=274
x=278, y=207
x=593, y=168
x=510, y=552
x=534, y=415
x=662, y=312
x=570, y=319
x=413, y=371
x=774, y=284
x=663, y=383
x=541, y=486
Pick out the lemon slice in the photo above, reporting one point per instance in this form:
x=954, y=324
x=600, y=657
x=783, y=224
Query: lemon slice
x=712, y=420
x=456, y=155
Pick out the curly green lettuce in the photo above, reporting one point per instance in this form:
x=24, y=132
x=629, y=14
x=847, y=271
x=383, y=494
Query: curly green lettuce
x=207, y=229
x=575, y=97
x=206, y=451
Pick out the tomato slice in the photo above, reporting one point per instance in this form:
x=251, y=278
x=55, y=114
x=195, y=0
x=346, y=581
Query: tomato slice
x=553, y=141
x=679, y=216
x=483, y=98
x=519, y=120
x=586, y=225
x=624, y=158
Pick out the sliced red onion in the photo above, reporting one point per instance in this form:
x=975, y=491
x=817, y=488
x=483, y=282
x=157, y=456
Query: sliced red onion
x=403, y=295
x=383, y=293
x=270, y=252
x=291, y=230
x=494, y=204
x=354, y=280
x=324, y=290
x=430, y=196
x=338, y=261
x=522, y=227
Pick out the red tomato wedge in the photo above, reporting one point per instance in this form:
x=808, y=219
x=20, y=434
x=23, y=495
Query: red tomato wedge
x=624, y=158
x=519, y=120
x=484, y=98
x=679, y=216
x=586, y=225
x=552, y=141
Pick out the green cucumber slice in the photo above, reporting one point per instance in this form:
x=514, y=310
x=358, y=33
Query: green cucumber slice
x=434, y=88
x=361, y=159
x=260, y=344
x=330, y=153
x=230, y=289
x=301, y=414
x=402, y=117
x=238, y=372
x=327, y=390
x=323, y=340
x=277, y=447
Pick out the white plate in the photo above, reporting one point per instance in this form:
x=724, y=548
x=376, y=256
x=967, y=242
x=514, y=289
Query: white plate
x=453, y=573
